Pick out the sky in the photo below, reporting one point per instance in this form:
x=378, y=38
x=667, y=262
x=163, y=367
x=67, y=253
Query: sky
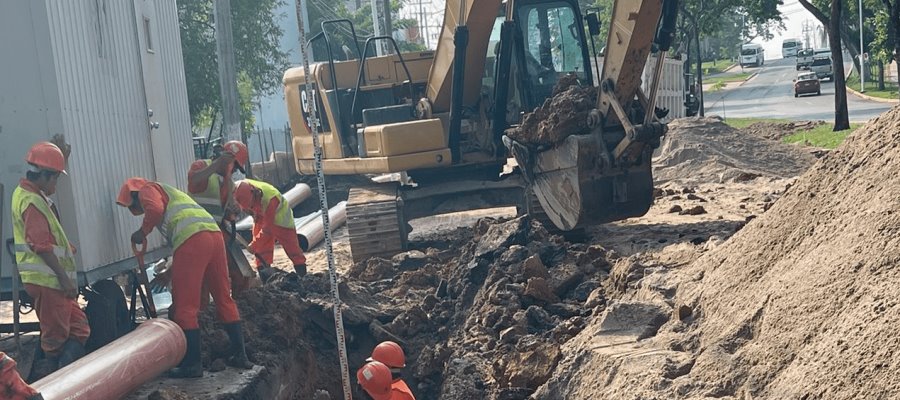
x=793, y=15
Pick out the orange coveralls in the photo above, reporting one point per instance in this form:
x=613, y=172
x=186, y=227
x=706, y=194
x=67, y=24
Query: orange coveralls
x=60, y=317
x=199, y=260
x=266, y=232
x=12, y=387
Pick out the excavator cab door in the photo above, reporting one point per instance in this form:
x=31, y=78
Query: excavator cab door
x=552, y=46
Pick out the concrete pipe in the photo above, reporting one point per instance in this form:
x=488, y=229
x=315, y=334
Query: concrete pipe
x=313, y=231
x=120, y=367
x=296, y=195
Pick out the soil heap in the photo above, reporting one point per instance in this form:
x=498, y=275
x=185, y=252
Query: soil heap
x=800, y=304
x=707, y=150
x=562, y=115
x=779, y=130
x=481, y=313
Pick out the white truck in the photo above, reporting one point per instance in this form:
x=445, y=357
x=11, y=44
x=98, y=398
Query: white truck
x=821, y=65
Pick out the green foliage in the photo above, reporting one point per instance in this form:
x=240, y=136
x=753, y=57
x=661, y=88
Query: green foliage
x=340, y=34
x=890, y=91
x=259, y=61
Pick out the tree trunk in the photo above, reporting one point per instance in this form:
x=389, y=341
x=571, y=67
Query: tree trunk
x=880, y=75
x=841, y=116
x=699, y=69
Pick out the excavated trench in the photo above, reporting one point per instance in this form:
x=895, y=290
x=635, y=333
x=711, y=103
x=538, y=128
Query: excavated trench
x=481, y=313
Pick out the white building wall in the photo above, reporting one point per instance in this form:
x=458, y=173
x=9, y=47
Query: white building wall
x=80, y=75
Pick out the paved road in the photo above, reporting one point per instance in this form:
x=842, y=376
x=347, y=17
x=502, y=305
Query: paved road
x=770, y=95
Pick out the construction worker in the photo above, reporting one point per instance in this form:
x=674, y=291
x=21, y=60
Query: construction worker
x=12, y=387
x=198, y=257
x=375, y=380
x=391, y=355
x=209, y=181
x=45, y=257
x=272, y=220
x=211, y=186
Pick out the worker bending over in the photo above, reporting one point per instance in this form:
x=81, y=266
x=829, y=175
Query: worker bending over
x=375, y=379
x=12, y=387
x=391, y=355
x=272, y=220
x=198, y=257
x=45, y=257
x=211, y=186
x=210, y=183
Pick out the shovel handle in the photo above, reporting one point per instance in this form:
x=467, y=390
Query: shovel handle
x=139, y=252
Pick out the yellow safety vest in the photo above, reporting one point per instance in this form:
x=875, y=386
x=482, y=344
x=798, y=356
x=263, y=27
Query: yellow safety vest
x=284, y=217
x=183, y=218
x=32, y=268
x=210, y=198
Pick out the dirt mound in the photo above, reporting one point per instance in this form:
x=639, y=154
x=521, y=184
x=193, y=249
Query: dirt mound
x=563, y=114
x=779, y=130
x=800, y=304
x=707, y=150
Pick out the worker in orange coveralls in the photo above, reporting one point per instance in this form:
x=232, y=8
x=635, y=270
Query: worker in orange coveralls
x=272, y=220
x=211, y=186
x=45, y=257
x=391, y=355
x=12, y=387
x=375, y=379
x=198, y=257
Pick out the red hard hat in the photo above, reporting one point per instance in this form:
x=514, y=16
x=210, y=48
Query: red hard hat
x=243, y=194
x=239, y=151
x=46, y=155
x=390, y=354
x=131, y=185
x=375, y=379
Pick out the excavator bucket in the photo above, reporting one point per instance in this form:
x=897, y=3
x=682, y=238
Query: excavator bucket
x=577, y=188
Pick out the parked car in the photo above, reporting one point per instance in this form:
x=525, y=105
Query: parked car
x=822, y=67
x=804, y=58
x=806, y=83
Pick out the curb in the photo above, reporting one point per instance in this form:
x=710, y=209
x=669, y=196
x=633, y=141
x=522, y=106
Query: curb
x=870, y=98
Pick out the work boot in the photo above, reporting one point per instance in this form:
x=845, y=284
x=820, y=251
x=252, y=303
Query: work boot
x=300, y=269
x=71, y=351
x=191, y=366
x=265, y=272
x=238, y=358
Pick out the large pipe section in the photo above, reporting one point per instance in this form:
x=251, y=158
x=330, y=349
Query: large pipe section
x=120, y=367
x=296, y=195
x=313, y=232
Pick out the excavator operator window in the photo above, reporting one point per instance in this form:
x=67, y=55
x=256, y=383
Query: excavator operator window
x=553, y=45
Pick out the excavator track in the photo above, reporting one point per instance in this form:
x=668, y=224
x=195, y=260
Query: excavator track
x=375, y=222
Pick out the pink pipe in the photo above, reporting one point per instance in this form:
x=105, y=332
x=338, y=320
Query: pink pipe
x=120, y=367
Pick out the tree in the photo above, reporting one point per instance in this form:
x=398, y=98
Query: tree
x=892, y=40
x=340, y=34
x=704, y=17
x=260, y=62
x=832, y=23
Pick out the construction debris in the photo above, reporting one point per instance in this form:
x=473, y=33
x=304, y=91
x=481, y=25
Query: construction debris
x=564, y=114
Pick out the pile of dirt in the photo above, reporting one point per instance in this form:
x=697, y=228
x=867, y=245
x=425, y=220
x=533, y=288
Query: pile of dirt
x=779, y=130
x=563, y=114
x=801, y=303
x=707, y=150
x=480, y=313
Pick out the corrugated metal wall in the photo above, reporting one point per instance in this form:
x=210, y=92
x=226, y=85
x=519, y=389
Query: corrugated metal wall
x=169, y=35
x=104, y=116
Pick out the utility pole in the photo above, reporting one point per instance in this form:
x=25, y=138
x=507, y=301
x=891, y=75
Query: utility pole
x=862, y=51
x=227, y=72
x=388, y=24
x=376, y=26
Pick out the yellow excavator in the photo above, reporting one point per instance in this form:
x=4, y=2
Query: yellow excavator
x=439, y=120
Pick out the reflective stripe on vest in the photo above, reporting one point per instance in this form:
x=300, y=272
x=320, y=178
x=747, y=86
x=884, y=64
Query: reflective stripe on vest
x=183, y=218
x=284, y=217
x=211, y=198
x=32, y=268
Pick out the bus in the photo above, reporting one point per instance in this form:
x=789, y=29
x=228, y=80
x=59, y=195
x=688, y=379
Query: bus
x=790, y=47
